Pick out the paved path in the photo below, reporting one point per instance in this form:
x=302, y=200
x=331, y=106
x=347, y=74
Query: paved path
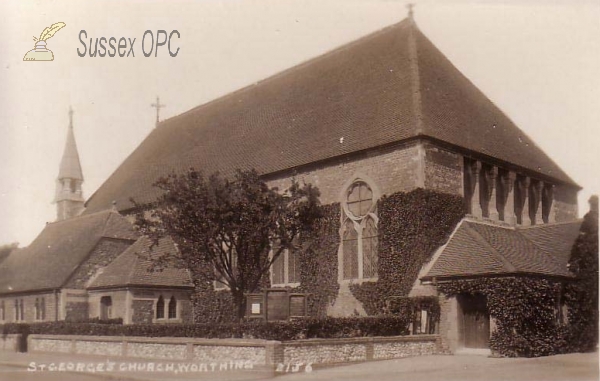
x=577, y=367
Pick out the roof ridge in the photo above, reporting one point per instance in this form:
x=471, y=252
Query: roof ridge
x=540, y=249
x=81, y=216
x=136, y=258
x=440, y=250
x=475, y=234
x=104, y=227
x=489, y=223
x=540, y=226
x=527, y=139
x=415, y=77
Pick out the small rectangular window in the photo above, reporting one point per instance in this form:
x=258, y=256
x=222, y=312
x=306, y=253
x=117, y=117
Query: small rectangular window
x=285, y=270
x=278, y=269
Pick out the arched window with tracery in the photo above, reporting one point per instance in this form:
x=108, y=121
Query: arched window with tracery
x=172, y=308
x=360, y=233
x=160, y=308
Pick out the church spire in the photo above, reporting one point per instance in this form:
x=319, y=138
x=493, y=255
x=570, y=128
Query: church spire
x=70, y=166
x=69, y=197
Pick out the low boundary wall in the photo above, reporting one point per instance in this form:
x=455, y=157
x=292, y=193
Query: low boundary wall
x=10, y=342
x=257, y=352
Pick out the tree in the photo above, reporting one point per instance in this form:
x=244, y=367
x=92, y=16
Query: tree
x=581, y=296
x=236, y=227
x=5, y=250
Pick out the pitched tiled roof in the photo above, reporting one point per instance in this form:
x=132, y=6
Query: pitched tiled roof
x=134, y=268
x=556, y=239
x=58, y=250
x=386, y=87
x=478, y=248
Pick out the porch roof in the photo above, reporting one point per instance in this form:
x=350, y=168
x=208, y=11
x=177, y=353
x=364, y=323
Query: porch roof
x=481, y=249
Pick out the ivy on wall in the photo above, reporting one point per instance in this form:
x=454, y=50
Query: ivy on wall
x=318, y=274
x=211, y=306
x=525, y=311
x=411, y=227
x=319, y=261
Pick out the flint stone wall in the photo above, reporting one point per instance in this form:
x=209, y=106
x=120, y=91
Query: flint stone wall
x=257, y=352
x=334, y=351
x=10, y=342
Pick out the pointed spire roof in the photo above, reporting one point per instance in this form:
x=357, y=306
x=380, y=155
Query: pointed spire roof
x=70, y=167
x=388, y=87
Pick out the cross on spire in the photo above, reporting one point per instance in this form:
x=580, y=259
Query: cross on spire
x=410, y=7
x=158, y=106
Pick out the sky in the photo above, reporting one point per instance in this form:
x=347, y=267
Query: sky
x=539, y=61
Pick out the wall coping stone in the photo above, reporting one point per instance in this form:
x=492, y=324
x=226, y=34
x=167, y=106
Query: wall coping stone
x=14, y=337
x=361, y=340
x=159, y=340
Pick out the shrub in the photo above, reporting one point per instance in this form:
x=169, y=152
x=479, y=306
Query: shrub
x=412, y=226
x=97, y=320
x=285, y=330
x=581, y=296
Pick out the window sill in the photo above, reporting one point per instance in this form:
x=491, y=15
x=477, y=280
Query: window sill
x=359, y=281
x=283, y=285
x=167, y=321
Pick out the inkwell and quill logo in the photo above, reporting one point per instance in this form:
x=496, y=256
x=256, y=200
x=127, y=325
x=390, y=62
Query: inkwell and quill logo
x=40, y=52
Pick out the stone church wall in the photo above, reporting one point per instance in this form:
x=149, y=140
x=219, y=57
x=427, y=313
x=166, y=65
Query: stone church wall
x=143, y=311
x=565, y=203
x=143, y=306
x=119, y=303
x=443, y=170
x=74, y=305
x=392, y=169
x=29, y=307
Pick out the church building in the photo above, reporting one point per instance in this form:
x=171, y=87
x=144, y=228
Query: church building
x=381, y=117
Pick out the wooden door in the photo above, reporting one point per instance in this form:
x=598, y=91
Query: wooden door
x=105, y=307
x=277, y=305
x=476, y=321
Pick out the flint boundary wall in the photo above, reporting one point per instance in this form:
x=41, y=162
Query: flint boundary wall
x=258, y=352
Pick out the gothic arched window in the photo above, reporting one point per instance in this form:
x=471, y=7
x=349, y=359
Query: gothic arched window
x=350, y=248
x=160, y=308
x=369, y=244
x=172, y=308
x=359, y=238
